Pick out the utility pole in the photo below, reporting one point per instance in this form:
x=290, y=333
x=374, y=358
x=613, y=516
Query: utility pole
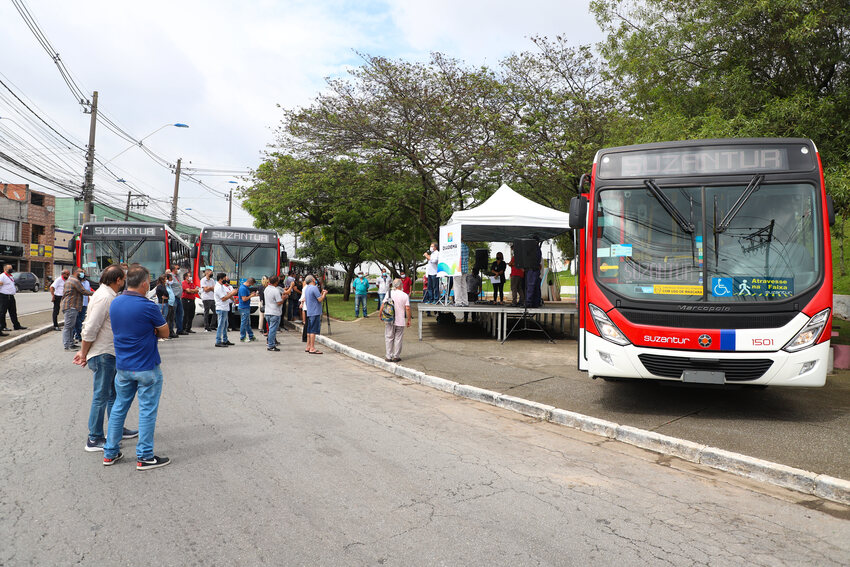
x=127, y=210
x=88, y=187
x=174, y=199
x=229, y=207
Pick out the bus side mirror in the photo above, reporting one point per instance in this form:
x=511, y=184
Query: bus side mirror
x=193, y=252
x=173, y=245
x=578, y=212
x=830, y=210
x=284, y=258
x=72, y=244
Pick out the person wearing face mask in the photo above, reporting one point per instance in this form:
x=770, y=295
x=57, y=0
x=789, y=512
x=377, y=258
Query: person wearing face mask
x=406, y=283
x=72, y=304
x=57, y=289
x=78, y=328
x=7, y=299
x=360, y=286
x=383, y=282
x=432, y=294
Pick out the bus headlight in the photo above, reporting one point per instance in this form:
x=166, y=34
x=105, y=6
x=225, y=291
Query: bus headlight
x=809, y=334
x=607, y=328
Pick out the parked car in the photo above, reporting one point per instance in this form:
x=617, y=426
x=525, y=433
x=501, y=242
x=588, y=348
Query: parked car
x=26, y=280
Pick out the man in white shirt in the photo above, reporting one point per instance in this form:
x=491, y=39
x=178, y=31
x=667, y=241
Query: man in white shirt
x=274, y=300
x=57, y=289
x=7, y=299
x=223, y=294
x=433, y=257
x=208, y=299
x=383, y=282
x=98, y=353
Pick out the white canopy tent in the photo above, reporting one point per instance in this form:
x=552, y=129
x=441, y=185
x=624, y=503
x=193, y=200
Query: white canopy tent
x=508, y=216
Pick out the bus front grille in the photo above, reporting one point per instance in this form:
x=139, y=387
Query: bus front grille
x=708, y=320
x=736, y=370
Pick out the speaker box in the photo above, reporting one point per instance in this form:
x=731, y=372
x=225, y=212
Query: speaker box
x=482, y=255
x=525, y=254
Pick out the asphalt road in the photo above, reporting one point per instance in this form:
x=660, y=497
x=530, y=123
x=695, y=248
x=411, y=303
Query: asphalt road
x=293, y=459
x=807, y=428
x=29, y=302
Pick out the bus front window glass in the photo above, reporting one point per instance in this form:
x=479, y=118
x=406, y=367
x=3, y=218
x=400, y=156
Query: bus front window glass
x=221, y=258
x=97, y=256
x=642, y=252
x=149, y=253
x=770, y=250
x=261, y=262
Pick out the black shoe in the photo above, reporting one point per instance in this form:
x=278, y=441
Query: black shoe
x=56, y=328
x=113, y=460
x=5, y=329
x=228, y=343
x=72, y=347
x=2, y=334
x=20, y=328
x=396, y=360
x=274, y=349
x=190, y=331
x=129, y=433
x=182, y=333
x=152, y=463
x=221, y=344
x=94, y=445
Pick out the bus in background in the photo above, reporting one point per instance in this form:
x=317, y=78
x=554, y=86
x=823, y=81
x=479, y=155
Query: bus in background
x=706, y=261
x=241, y=253
x=153, y=245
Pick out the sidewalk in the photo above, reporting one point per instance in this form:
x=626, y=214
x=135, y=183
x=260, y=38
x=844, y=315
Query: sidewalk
x=802, y=428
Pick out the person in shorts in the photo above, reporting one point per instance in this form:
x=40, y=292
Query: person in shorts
x=313, y=299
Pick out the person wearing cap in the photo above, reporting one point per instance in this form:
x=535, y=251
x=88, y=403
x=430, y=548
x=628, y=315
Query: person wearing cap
x=360, y=285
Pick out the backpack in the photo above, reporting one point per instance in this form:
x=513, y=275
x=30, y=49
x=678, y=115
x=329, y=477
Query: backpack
x=388, y=309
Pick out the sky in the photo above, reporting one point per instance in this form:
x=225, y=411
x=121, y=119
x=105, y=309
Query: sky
x=224, y=67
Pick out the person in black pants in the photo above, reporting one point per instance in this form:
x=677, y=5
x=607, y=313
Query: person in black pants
x=498, y=269
x=56, y=296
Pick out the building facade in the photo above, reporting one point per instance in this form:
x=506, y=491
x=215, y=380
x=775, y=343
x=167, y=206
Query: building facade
x=27, y=220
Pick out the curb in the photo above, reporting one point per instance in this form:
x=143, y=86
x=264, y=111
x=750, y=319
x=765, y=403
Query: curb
x=28, y=336
x=820, y=485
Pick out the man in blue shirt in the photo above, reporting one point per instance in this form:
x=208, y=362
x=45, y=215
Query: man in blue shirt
x=313, y=304
x=246, y=334
x=136, y=324
x=360, y=285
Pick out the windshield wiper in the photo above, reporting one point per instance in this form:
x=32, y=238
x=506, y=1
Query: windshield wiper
x=134, y=249
x=685, y=224
x=755, y=182
x=251, y=251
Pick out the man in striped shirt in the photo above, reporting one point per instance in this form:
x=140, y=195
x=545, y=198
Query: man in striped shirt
x=72, y=304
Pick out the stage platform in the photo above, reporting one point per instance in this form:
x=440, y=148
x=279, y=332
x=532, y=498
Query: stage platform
x=495, y=318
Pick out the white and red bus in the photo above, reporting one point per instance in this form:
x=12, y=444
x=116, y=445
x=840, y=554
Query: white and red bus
x=706, y=261
x=153, y=245
x=239, y=252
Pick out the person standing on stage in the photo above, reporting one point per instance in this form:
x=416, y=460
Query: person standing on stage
x=190, y=294
x=517, y=281
x=394, y=330
x=433, y=257
x=7, y=299
x=532, y=281
x=498, y=270
x=459, y=285
x=57, y=289
x=208, y=299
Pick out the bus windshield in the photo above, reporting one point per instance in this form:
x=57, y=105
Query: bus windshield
x=767, y=250
x=240, y=261
x=100, y=254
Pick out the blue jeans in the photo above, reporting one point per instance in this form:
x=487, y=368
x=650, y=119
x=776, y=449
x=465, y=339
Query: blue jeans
x=128, y=383
x=274, y=323
x=245, y=323
x=103, y=396
x=221, y=332
x=178, y=314
x=381, y=299
x=78, y=326
x=359, y=300
x=163, y=308
x=433, y=289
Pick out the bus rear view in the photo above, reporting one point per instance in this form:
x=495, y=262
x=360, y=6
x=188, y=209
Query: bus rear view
x=706, y=261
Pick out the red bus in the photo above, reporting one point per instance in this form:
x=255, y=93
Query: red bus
x=706, y=261
x=153, y=245
x=239, y=252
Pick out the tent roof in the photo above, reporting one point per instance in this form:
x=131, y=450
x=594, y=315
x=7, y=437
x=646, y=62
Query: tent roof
x=507, y=216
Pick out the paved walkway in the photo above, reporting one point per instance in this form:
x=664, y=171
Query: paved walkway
x=803, y=428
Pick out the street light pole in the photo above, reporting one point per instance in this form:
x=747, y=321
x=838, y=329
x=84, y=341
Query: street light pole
x=229, y=207
x=174, y=199
x=140, y=144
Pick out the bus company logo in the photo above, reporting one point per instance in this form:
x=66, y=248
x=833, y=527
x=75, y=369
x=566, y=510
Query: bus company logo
x=125, y=230
x=704, y=341
x=451, y=237
x=666, y=340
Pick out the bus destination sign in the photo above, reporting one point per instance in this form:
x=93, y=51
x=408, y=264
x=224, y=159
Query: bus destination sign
x=248, y=237
x=119, y=231
x=703, y=161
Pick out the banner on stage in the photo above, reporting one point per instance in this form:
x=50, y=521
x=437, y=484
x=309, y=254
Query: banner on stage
x=449, y=261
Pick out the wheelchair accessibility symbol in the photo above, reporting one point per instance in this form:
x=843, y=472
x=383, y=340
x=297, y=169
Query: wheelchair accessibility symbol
x=721, y=287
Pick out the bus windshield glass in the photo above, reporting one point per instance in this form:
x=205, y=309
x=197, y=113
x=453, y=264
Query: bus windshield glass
x=767, y=250
x=100, y=254
x=240, y=261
